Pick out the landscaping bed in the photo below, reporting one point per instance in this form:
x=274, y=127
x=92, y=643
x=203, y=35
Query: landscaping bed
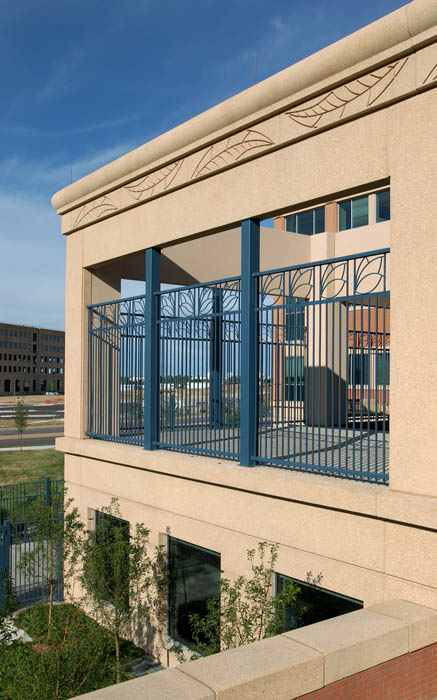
x=75, y=656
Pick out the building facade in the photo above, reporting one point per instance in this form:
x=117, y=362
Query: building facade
x=286, y=389
x=31, y=360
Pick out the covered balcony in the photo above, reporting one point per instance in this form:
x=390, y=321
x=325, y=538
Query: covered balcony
x=288, y=368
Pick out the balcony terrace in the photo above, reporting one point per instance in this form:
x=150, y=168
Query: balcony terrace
x=287, y=368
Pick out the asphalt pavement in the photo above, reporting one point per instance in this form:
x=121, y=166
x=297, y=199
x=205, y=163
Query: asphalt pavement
x=37, y=432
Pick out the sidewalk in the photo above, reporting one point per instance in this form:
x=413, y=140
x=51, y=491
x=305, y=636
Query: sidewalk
x=34, y=447
x=33, y=399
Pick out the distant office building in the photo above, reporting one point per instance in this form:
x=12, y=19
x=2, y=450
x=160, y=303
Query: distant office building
x=31, y=360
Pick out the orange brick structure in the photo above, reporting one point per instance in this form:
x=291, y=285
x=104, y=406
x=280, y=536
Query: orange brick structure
x=408, y=677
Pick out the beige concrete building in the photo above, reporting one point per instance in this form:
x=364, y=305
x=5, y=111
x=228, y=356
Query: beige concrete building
x=270, y=386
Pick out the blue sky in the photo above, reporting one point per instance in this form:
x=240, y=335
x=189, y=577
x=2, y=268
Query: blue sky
x=84, y=81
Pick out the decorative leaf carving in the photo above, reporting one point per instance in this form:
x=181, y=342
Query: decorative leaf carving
x=432, y=75
x=94, y=210
x=161, y=179
x=230, y=151
x=332, y=106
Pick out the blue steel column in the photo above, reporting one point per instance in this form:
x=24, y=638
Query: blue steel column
x=249, y=341
x=151, y=349
x=216, y=361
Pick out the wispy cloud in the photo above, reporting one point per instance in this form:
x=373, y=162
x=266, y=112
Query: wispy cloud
x=48, y=175
x=32, y=281
x=64, y=75
x=28, y=130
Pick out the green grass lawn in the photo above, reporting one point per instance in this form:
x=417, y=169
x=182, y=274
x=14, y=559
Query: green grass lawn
x=30, y=465
x=78, y=657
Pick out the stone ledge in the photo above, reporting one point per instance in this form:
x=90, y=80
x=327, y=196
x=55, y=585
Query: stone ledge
x=162, y=685
x=353, y=642
x=422, y=621
x=313, y=489
x=292, y=664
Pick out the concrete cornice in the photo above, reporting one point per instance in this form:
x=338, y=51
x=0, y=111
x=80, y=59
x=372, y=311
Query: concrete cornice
x=368, y=500
x=395, y=34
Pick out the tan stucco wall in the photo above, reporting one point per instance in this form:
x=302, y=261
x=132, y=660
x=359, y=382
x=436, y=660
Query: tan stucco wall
x=370, y=542
x=361, y=537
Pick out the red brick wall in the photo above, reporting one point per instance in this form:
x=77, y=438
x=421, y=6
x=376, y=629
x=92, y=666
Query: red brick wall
x=408, y=677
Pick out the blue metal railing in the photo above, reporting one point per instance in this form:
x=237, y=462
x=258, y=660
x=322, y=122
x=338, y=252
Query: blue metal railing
x=116, y=370
x=199, y=351
x=310, y=344
x=324, y=349
x=20, y=506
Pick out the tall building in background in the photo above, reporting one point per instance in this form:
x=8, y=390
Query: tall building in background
x=31, y=360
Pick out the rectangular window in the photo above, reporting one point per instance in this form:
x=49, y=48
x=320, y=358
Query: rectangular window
x=353, y=213
x=194, y=577
x=359, y=370
x=295, y=320
x=382, y=206
x=383, y=369
x=107, y=528
x=294, y=384
x=318, y=603
x=306, y=222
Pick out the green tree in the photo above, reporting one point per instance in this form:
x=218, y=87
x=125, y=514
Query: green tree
x=20, y=419
x=57, y=540
x=245, y=610
x=122, y=582
x=9, y=603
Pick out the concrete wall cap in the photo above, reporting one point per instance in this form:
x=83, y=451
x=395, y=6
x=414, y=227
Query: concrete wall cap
x=422, y=621
x=387, y=32
x=353, y=642
x=169, y=684
x=275, y=668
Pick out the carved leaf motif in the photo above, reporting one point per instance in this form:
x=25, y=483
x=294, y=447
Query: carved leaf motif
x=432, y=75
x=94, y=210
x=332, y=106
x=230, y=151
x=160, y=179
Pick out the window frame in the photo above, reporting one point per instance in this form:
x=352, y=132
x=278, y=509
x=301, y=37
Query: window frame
x=172, y=632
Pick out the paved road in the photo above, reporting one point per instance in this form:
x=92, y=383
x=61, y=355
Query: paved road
x=37, y=432
x=35, y=412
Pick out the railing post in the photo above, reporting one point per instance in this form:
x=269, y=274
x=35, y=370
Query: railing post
x=5, y=546
x=151, y=349
x=249, y=341
x=216, y=361
x=47, y=490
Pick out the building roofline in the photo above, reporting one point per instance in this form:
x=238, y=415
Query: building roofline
x=35, y=328
x=397, y=28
